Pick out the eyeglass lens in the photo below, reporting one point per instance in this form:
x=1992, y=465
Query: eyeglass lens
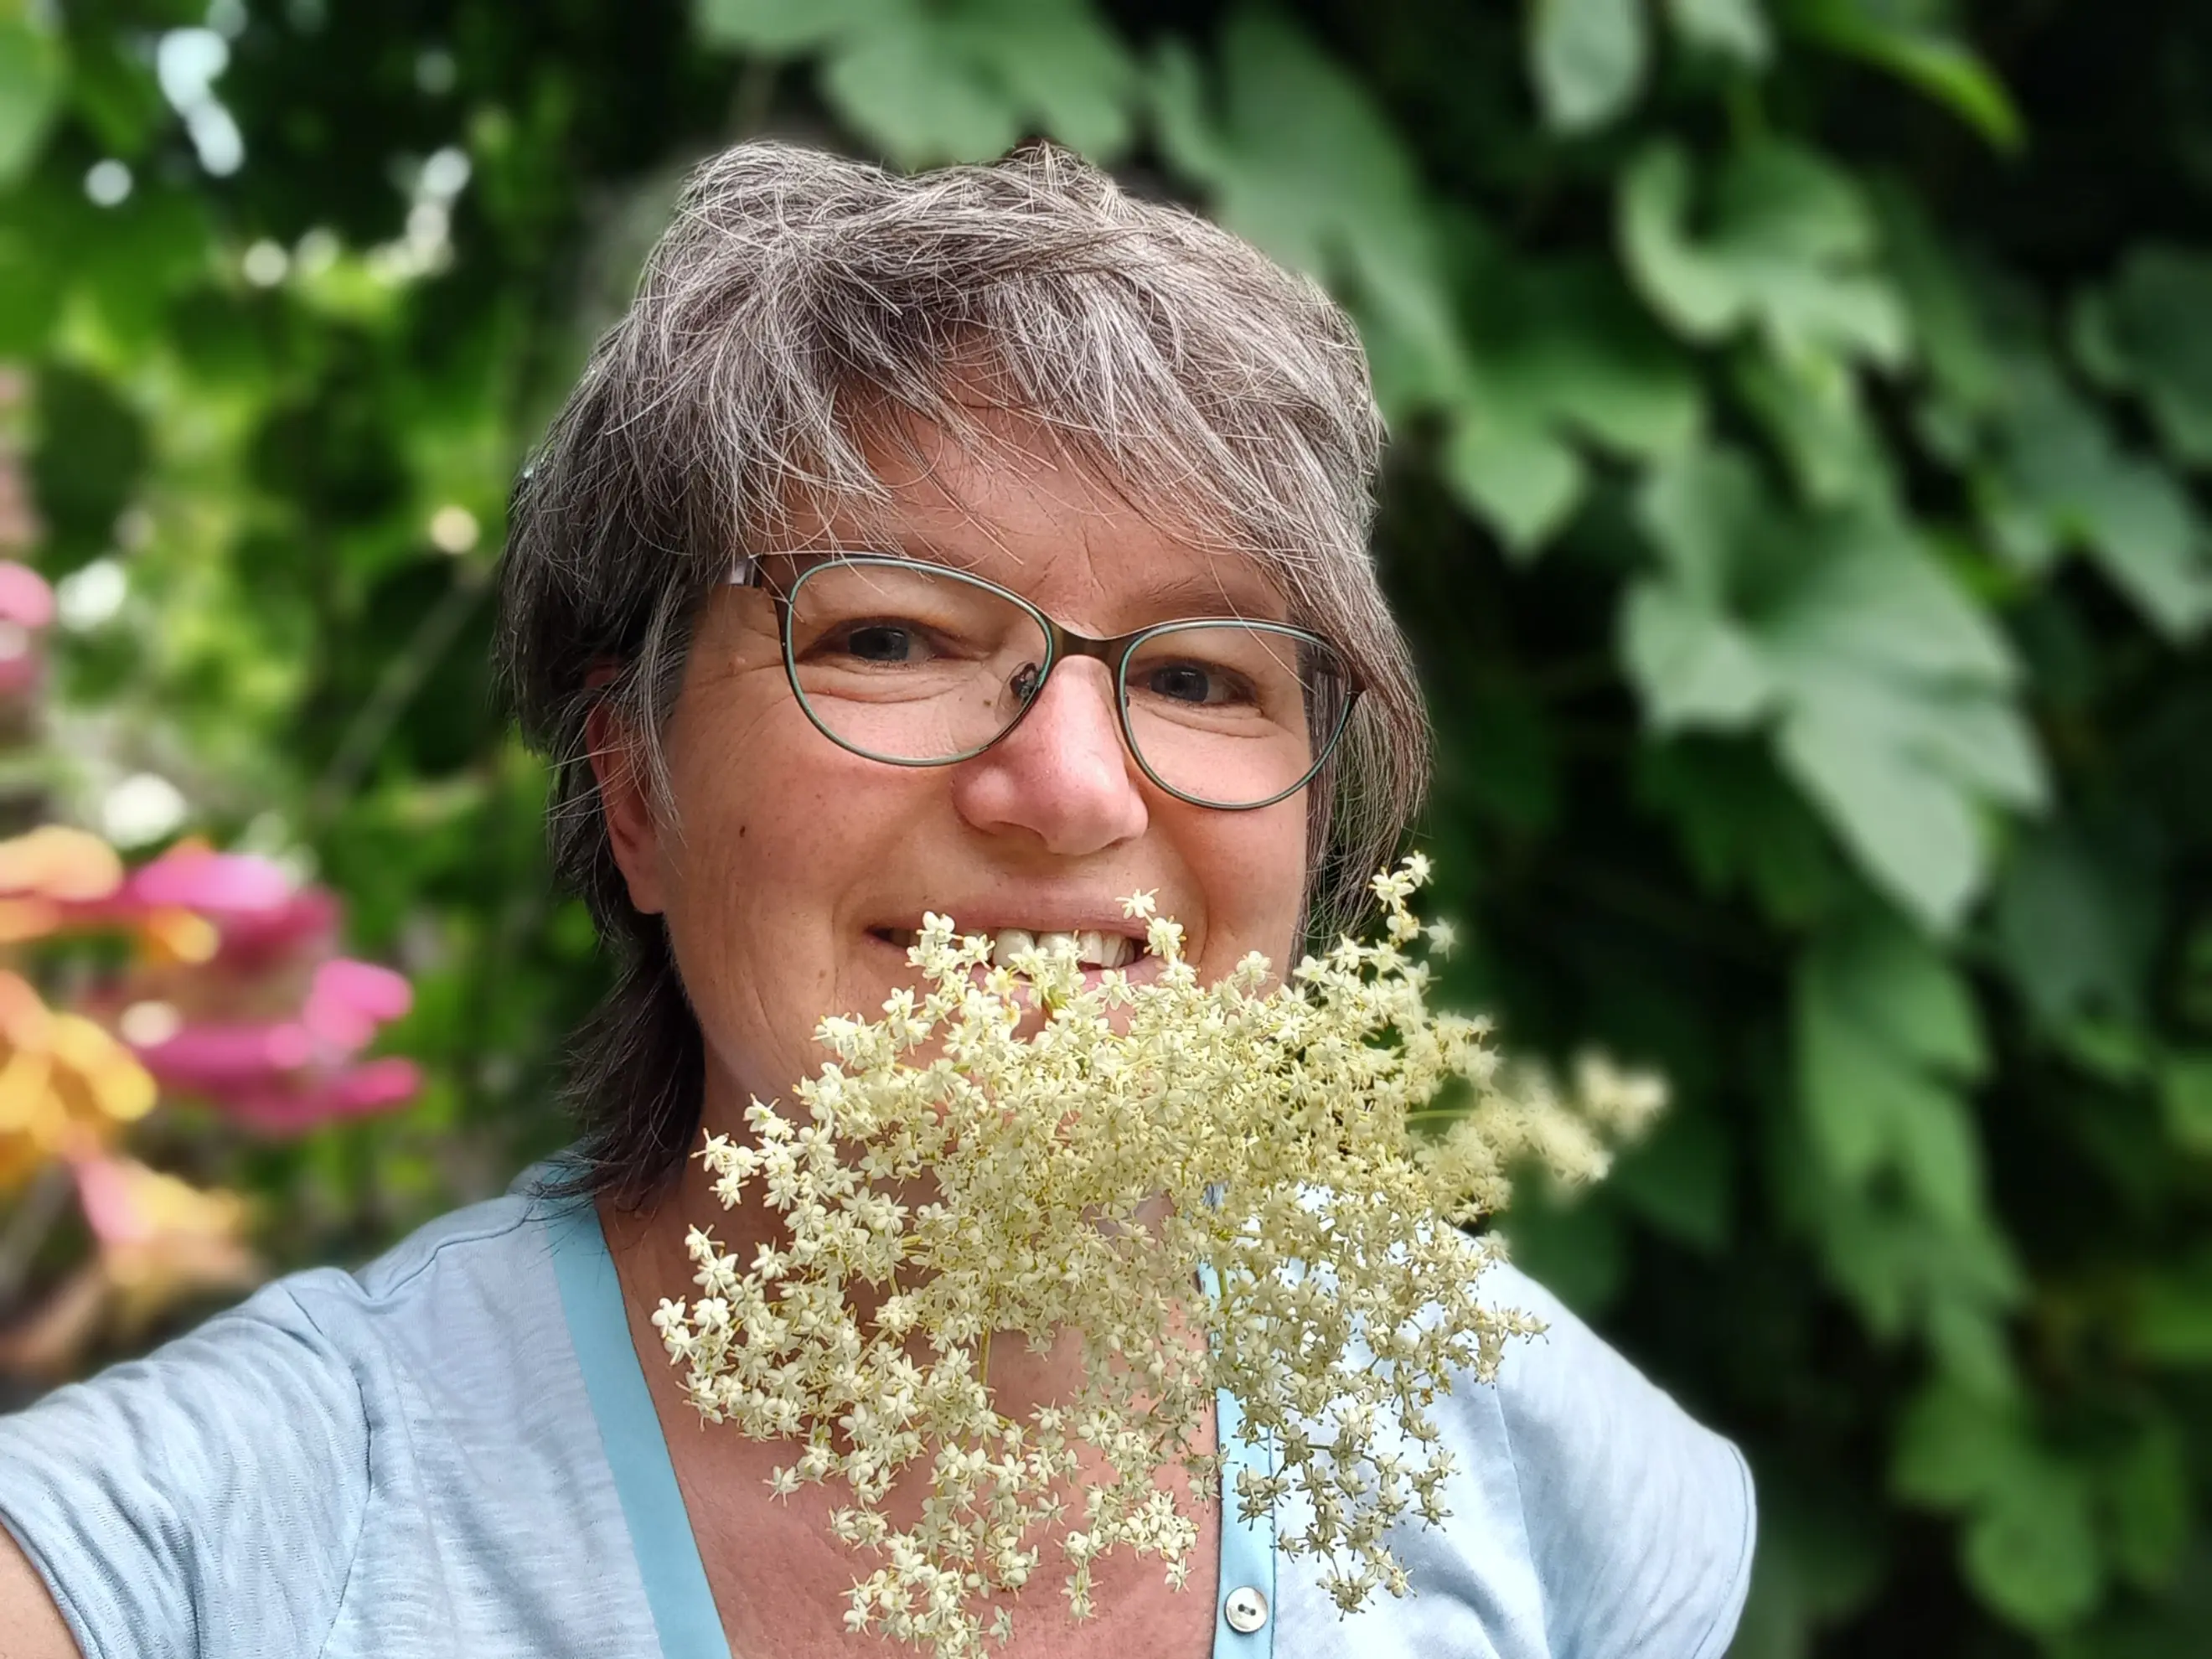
x=905, y=663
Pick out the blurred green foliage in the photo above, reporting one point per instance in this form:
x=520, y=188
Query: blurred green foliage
x=1803, y=414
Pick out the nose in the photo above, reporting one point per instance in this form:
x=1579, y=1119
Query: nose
x=1063, y=774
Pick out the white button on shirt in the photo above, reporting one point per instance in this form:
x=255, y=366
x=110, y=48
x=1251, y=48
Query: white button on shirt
x=1245, y=1609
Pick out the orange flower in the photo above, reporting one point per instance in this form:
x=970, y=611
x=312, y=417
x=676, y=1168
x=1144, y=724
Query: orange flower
x=50, y=867
x=65, y=1084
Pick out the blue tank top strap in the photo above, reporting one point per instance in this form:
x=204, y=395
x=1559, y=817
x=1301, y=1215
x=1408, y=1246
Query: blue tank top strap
x=668, y=1561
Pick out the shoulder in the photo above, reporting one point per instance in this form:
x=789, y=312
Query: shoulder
x=1639, y=1521
x=154, y=1498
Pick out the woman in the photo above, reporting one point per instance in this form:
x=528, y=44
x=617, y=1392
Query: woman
x=852, y=417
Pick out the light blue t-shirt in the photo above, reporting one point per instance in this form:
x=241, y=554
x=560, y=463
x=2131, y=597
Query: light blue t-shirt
x=452, y=1453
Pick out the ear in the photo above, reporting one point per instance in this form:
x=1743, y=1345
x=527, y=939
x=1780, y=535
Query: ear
x=626, y=804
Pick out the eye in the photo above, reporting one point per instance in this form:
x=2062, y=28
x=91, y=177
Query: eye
x=886, y=642
x=1192, y=683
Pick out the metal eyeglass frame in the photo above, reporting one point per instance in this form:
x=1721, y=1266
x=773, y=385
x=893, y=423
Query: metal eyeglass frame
x=1060, y=642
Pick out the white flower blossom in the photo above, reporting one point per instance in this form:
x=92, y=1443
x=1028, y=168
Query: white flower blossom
x=1278, y=1145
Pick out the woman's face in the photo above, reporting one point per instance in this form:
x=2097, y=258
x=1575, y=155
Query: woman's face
x=787, y=867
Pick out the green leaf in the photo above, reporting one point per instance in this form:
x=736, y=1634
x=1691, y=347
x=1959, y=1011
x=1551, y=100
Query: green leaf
x=2076, y=921
x=2169, y=1314
x=2185, y=1091
x=31, y=77
x=1954, y=1446
x=2153, y=326
x=1586, y=58
x=1895, y=987
x=1297, y=159
x=780, y=28
x=2031, y=1550
x=1786, y=246
x=1885, y=688
x=2058, y=465
x=31, y=289
x=2146, y=1496
x=1922, y=843
x=963, y=81
x=1726, y=28
x=957, y=82
x=1563, y=343
x=1694, y=666
x=1901, y=1268
x=1701, y=513
x=910, y=84
x=1555, y=351
x=1885, y=1035
x=1948, y=316
x=1820, y=423
x=1525, y=482
x=1882, y=32
x=1061, y=66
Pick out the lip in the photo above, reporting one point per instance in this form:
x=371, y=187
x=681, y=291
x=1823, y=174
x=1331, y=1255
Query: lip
x=1046, y=916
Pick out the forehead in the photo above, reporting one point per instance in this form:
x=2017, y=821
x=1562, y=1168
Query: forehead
x=1015, y=505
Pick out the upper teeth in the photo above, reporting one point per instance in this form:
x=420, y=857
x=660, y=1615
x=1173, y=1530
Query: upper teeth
x=1090, y=948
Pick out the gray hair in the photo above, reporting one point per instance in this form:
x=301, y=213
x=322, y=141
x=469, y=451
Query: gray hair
x=800, y=304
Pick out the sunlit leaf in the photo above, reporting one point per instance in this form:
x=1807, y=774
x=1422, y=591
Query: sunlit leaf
x=1887, y=34
x=780, y=26
x=1586, y=58
x=908, y=83
x=1292, y=152
x=1780, y=240
x=1694, y=665
x=1820, y=423
x=31, y=82
x=1726, y=28
x=1524, y=482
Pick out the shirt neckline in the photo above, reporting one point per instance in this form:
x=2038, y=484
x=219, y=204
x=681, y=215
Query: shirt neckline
x=684, y=1616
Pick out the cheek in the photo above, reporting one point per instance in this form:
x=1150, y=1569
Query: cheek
x=774, y=836
x=1251, y=868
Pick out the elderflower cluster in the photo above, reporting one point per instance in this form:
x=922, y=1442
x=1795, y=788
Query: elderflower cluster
x=1307, y=1153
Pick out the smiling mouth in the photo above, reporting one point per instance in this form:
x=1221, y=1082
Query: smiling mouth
x=1092, y=948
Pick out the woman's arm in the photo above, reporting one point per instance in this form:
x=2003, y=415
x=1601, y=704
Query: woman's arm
x=30, y=1624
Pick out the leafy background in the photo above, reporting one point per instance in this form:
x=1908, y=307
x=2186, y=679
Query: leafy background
x=1804, y=416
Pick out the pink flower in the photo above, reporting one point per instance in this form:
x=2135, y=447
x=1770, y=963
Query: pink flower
x=27, y=604
x=24, y=598
x=289, y=1073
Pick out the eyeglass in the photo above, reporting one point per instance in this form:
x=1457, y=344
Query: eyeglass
x=918, y=665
